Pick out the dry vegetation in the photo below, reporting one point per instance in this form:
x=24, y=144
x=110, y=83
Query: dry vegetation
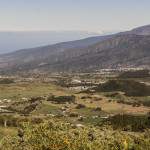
x=63, y=111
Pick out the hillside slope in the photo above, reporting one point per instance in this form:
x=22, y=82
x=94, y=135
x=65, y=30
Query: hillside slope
x=112, y=51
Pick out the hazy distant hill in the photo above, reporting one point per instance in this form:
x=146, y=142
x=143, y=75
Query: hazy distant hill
x=128, y=49
x=14, y=40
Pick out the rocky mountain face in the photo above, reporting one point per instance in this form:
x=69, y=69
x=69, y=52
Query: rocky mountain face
x=127, y=49
x=120, y=51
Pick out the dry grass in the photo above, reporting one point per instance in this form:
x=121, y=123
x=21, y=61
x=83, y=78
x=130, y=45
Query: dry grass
x=19, y=90
x=112, y=107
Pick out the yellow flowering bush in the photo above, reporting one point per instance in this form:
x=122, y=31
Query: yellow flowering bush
x=57, y=135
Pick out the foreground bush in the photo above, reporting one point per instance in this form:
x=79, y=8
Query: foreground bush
x=61, y=136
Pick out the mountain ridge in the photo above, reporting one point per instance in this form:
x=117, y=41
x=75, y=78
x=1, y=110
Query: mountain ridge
x=125, y=49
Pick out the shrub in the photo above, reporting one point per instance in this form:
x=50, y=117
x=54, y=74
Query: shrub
x=73, y=114
x=79, y=106
x=129, y=87
x=98, y=109
x=86, y=97
x=134, y=123
x=146, y=103
x=61, y=99
x=6, y=81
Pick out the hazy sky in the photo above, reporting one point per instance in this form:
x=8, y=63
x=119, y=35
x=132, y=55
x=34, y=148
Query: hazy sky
x=89, y=15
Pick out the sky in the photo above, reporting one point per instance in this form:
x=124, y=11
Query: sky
x=80, y=15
